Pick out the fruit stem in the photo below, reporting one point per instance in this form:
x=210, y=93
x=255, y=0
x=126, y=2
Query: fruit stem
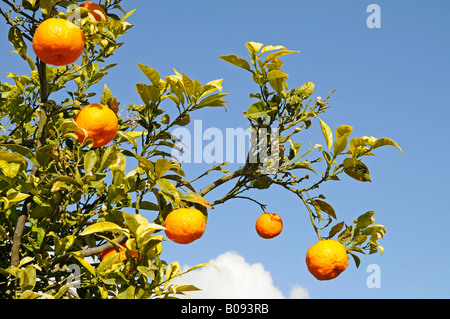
x=311, y=215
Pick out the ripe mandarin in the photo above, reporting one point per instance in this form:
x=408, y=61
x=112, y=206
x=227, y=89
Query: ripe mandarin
x=96, y=10
x=99, y=121
x=58, y=42
x=122, y=255
x=326, y=259
x=269, y=225
x=185, y=225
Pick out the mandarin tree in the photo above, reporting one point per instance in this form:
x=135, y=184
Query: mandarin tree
x=68, y=197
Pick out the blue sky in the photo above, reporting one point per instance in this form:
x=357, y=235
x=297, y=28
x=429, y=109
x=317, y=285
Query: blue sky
x=391, y=82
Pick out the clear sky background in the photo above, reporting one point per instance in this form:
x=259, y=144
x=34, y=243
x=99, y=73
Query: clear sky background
x=391, y=82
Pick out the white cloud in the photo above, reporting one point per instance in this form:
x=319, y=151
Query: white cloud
x=237, y=279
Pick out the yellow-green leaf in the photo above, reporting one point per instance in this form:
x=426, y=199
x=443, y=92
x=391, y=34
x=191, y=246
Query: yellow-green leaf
x=103, y=227
x=254, y=47
x=84, y=263
x=385, y=141
x=237, y=61
x=327, y=133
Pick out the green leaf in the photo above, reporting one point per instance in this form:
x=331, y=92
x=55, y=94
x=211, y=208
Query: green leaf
x=201, y=266
x=325, y=207
x=277, y=79
x=130, y=221
x=254, y=47
x=173, y=270
x=106, y=262
x=150, y=73
x=103, y=227
x=144, y=231
x=162, y=165
x=356, y=169
x=256, y=110
x=188, y=85
x=84, y=263
x=306, y=90
x=19, y=149
x=356, y=259
x=365, y=220
x=16, y=39
x=169, y=191
x=327, y=133
x=211, y=87
x=335, y=229
x=196, y=198
x=385, y=141
x=12, y=164
x=47, y=6
x=214, y=100
x=274, y=55
x=269, y=48
x=106, y=95
x=90, y=160
x=342, y=133
x=63, y=182
x=64, y=244
x=148, y=206
x=237, y=61
x=109, y=157
x=144, y=92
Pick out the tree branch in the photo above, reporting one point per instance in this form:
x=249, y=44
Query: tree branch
x=41, y=140
x=102, y=248
x=223, y=180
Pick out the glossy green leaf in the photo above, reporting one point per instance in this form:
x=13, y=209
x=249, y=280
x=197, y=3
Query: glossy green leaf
x=16, y=39
x=130, y=221
x=344, y=131
x=196, y=198
x=64, y=244
x=356, y=169
x=385, y=141
x=342, y=134
x=169, y=191
x=12, y=164
x=237, y=61
x=162, y=165
x=90, y=160
x=278, y=54
x=277, y=80
x=306, y=90
x=254, y=47
x=188, y=85
x=327, y=133
x=256, y=110
x=150, y=73
x=84, y=263
x=325, y=207
x=335, y=229
x=103, y=227
x=47, y=6
x=364, y=220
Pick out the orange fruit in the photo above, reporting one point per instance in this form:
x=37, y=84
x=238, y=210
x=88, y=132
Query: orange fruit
x=326, y=259
x=58, y=42
x=96, y=10
x=122, y=255
x=99, y=121
x=185, y=225
x=269, y=225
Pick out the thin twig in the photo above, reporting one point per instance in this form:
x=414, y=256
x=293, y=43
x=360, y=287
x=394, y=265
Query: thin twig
x=99, y=249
